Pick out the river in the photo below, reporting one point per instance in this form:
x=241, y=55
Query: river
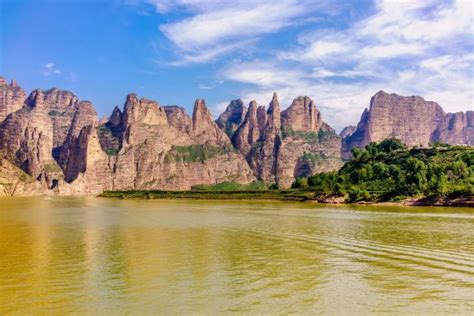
x=106, y=256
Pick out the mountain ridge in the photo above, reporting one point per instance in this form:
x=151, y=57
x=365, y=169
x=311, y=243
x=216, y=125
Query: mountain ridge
x=57, y=140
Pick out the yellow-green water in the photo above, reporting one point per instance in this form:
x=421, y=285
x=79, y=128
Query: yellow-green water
x=103, y=256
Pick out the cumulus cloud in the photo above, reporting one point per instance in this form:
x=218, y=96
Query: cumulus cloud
x=51, y=69
x=217, y=27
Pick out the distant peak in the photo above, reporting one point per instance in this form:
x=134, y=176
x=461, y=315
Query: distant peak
x=132, y=97
x=275, y=96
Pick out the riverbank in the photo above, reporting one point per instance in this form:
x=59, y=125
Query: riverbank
x=281, y=195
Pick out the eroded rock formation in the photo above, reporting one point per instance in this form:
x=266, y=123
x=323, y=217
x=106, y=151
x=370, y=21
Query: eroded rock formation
x=412, y=120
x=232, y=117
x=280, y=146
x=12, y=97
x=53, y=143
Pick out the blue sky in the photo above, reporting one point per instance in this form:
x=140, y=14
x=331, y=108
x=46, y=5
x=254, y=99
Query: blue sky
x=337, y=52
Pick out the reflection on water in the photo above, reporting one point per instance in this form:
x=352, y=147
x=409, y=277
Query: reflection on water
x=60, y=255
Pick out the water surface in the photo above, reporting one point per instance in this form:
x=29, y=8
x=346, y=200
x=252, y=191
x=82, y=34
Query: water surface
x=88, y=255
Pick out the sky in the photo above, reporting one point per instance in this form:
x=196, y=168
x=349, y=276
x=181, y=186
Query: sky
x=339, y=53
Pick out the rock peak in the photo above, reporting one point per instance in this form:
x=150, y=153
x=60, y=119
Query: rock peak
x=253, y=105
x=302, y=115
x=275, y=97
x=131, y=98
x=274, y=112
x=232, y=117
x=200, y=113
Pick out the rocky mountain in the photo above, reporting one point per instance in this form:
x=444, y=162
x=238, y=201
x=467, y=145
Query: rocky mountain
x=232, y=117
x=282, y=145
x=412, y=120
x=58, y=146
x=51, y=142
x=12, y=98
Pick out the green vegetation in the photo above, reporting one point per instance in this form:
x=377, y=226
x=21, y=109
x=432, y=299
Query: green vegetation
x=56, y=113
x=312, y=137
x=52, y=167
x=194, y=153
x=109, y=142
x=388, y=171
x=111, y=152
x=313, y=158
x=232, y=186
x=284, y=195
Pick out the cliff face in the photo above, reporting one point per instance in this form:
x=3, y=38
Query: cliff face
x=26, y=140
x=456, y=128
x=173, y=151
x=52, y=143
x=309, y=145
x=412, y=120
x=280, y=146
x=12, y=98
x=56, y=141
x=232, y=117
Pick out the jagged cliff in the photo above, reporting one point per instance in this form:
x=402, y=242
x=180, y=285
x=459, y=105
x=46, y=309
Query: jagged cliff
x=412, y=120
x=282, y=145
x=56, y=140
x=53, y=143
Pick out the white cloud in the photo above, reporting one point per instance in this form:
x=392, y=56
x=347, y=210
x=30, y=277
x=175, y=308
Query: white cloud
x=211, y=85
x=51, y=69
x=382, y=51
x=220, y=26
x=206, y=55
x=406, y=47
x=218, y=108
x=262, y=74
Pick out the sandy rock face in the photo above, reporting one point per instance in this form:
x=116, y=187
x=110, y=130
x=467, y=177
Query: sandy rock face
x=177, y=155
x=249, y=132
x=26, y=140
x=53, y=143
x=302, y=115
x=60, y=106
x=264, y=156
x=308, y=144
x=178, y=118
x=12, y=98
x=14, y=181
x=456, y=128
x=412, y=120
x=280, y=146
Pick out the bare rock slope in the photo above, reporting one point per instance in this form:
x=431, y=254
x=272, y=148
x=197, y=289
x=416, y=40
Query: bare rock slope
x=412, y=120
x=281, y=145
x=53, y=143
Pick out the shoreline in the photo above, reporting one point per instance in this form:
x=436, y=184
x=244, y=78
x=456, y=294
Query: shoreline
x=285, y=196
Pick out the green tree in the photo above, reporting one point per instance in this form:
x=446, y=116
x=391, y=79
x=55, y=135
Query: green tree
x=300, y=183
x=459, y=169
x=416, y=174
